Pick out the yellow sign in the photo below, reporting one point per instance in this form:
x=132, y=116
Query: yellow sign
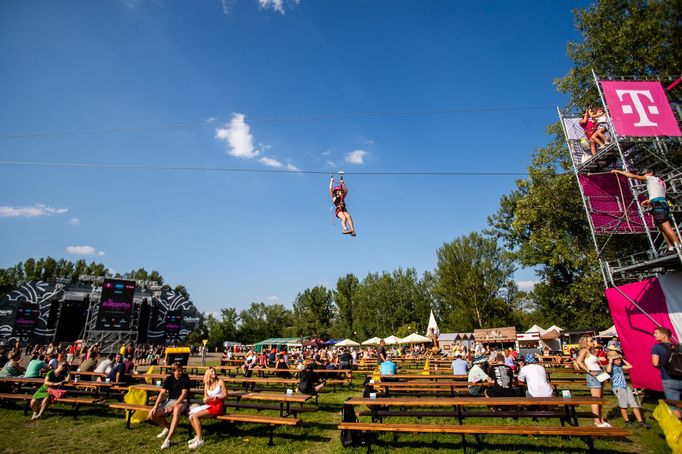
x=205, y=341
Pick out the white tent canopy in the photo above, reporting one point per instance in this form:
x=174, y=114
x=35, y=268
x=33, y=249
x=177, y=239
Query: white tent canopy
x=372, y=341
x=609, y=332
x=555, y=328
x=536, y=329
x=390, y=340
x=432, y=328
x=347, y=343
x=414, y=338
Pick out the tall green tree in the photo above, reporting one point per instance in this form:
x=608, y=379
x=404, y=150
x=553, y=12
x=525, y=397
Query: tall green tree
x=473, y=276
x=346, y=305
x=314, y=312
x=543, y=220
x=260, y=321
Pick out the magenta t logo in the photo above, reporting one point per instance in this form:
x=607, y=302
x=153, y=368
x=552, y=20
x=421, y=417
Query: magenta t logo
x=640, y=109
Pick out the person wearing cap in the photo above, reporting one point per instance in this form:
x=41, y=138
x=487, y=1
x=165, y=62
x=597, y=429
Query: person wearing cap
x=619, y=385
x=477, y=376
x=459, y=366
x=535, y=378
x=657, y=201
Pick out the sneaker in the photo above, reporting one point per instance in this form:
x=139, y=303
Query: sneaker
x=604, y=424
x=192, y=440
x=643, y=425
x=165, y=444
x=35, y=416
x=629, y=423
x=197, y=444
x=163, y=433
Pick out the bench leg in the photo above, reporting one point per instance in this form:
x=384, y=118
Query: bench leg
x=272, y=429
x=75, y=411
x=590, y=444
x=129, y=417
x=464, y=444
x=26, y=407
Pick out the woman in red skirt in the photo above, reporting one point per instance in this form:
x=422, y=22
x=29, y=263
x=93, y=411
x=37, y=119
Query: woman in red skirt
x=215, y=394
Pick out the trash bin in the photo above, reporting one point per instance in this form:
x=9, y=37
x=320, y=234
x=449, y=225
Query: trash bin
x=177, y=354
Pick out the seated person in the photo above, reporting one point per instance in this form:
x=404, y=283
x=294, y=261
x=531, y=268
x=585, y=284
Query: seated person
x=503, y=378
x=282, y=367
x=12, y=368
x=50, y=390
x=214, y=405
x=104, y=367
x=117, y=373
x=535, y=377
x=88, y=365
x=177, y=386
x=36, y=367
x=308, y=382
x=459, y=366
x=345, y=360
x=478, y=375
x=388, y=369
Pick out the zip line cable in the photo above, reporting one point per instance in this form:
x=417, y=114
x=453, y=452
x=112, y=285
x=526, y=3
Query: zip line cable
x=232, y=169
x=332, y=116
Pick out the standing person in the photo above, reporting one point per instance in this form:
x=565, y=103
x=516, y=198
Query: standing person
x=459, y=366
x=50, y=390
x=345, y=360
x=177, y=387
x=588, y=362
x=619, y=386
x=381, y=352
x=535, y=377
x=660, y=211
x=215, y=394
x=672, y=387
x=338, y=195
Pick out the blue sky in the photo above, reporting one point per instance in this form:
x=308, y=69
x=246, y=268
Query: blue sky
x=249, y=78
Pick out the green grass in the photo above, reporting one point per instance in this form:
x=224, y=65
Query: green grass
x=103, y=430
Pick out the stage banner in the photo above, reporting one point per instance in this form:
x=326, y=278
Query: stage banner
x=635, y=329
x=172, y=326
x=115, y=305
x=639, y=109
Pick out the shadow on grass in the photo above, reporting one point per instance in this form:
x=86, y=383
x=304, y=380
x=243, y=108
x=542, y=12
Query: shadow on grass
x=232, y=430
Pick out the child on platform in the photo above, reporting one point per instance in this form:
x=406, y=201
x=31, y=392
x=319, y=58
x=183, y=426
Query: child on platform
x=619, y=385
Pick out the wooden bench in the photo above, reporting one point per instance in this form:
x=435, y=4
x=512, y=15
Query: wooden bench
x=76, y=401
x=270, y=421
x=586, y=433
x=284, y=402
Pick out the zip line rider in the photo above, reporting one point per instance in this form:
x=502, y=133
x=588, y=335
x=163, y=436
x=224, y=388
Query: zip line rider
x=338, y=194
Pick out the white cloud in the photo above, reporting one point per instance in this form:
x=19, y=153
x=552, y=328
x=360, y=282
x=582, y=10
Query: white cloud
x=277, y=5
x=75, y=221
x=30, y=211
x=226, y=6
x=331, y=163
x=356, y=157
x=237, y=135
x=327, y=153
x=293, y=168
x=526, y=286
x=271, y=298
x=270, y=162
x=132, y=4
x=84, y=250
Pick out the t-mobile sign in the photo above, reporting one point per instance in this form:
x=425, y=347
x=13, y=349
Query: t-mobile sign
x=639, y=109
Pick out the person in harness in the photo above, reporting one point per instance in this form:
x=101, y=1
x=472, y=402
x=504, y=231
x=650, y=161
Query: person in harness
x=338, y=194
x=658, y=203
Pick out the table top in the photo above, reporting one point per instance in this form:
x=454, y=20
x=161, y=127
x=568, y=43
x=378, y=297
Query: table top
x=298, y=398
x=471, y=401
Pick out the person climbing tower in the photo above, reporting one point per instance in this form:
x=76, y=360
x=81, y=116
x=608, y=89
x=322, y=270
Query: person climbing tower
x=338, y=194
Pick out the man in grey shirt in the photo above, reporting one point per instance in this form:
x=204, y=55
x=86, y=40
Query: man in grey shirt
x=459, y=366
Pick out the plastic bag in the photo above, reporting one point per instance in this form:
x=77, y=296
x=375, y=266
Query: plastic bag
x=137, y=397
x=670, y=425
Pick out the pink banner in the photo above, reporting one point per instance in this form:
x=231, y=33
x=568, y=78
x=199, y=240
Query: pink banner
x=610, y=204
x=635, y=330
x=639, y=109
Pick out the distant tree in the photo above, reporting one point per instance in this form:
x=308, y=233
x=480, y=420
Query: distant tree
x=345, y=300
x=261, y=321
x=472, y=278
x=314, y=312
x=182, y=290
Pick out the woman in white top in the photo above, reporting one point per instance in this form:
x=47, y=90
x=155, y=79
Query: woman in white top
x=214, y=405
x=588, y=361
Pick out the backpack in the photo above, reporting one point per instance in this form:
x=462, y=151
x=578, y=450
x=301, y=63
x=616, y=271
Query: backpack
x=351, y=437
x=673, y=362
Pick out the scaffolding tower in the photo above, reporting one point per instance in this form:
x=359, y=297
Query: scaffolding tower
x=612, y=203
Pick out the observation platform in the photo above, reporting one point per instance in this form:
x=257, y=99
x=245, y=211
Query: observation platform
x=636, y=268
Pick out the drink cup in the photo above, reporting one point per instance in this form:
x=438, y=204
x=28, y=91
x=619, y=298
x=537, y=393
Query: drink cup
x=158, y=382
x=566, y=394
x=107, y=380
x=372, y=395
x=289, y=391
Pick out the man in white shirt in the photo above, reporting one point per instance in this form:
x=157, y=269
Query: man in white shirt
x=535, y=377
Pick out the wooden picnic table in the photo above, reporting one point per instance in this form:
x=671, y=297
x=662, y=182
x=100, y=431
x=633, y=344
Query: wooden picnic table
x=457, y=403
x=403, y=377
x=284, y=401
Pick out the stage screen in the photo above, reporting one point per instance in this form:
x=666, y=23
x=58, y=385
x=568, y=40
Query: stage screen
x=172, y=325
x=116, y=304
x=26, y=319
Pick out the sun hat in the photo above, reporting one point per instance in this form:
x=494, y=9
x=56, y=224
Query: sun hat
x=530, y=358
